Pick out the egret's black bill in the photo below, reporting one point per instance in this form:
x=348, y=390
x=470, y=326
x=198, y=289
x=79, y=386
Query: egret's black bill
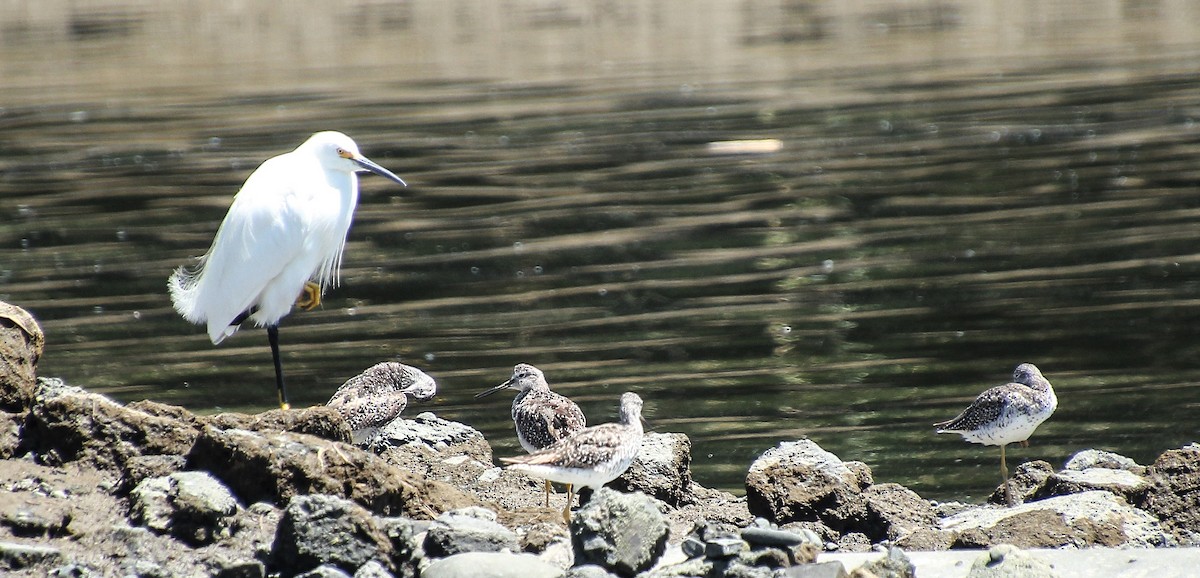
x=368, y=164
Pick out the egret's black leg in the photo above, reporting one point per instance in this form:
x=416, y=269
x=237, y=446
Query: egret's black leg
x=273, y=337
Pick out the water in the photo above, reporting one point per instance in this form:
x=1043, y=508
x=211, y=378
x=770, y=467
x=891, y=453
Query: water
x=933, y=193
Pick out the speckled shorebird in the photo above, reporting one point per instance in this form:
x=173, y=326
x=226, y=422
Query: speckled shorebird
x=541, y=417
x=375, y=397
x=590, y=457
x=1006, y=414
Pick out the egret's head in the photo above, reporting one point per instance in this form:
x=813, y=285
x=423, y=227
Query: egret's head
x=337, y=151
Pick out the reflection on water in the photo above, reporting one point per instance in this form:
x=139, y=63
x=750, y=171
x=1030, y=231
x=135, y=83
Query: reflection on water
x=933, y=193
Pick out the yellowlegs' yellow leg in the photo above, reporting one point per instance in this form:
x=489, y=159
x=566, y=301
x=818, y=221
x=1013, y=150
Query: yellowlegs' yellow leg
x=1008, y=499
x=310, y=297
x=567, y=508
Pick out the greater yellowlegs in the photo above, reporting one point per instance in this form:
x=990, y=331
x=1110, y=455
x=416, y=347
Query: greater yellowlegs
x=373, y=398
x=541, y=417
x=590, y=457
x=1006, y=414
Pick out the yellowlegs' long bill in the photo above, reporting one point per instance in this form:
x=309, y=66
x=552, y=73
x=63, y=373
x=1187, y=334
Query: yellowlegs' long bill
x=541, y=417
x=590, y=457
x=1006, y=414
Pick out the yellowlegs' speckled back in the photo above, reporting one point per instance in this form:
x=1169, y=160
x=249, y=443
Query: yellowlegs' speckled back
x=1006, y=414
x=541, y=417
x=590, y=457
x=375, y=397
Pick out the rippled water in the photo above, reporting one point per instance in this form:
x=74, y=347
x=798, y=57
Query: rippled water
x=770, y=219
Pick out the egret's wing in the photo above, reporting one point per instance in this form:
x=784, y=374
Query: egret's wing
x=261, y=234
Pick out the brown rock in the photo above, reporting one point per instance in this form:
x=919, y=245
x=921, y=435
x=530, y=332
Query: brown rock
x=320, y=421
x=21, y=345
x=76, y=425
x=799, y=481
x=1174, y=493
x=1026, y=483
x=1042, y=529
x=10, y=434
x=661, y=469
x=276, y=466
x=894, y=511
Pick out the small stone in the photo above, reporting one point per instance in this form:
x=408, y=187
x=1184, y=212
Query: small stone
x=895, y=565
x=325, y=571
x=468, y=530
x=692, y=547
x=491, y=565
x=1007, y=561
x=819, y=570
x=723, y=547
x=373, y=569
x=1087, y=459
x=242, y=569
x=624, y=533
x=588, y=571
x=761, y=536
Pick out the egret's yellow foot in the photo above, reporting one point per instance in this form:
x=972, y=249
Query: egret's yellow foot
x=310, y=297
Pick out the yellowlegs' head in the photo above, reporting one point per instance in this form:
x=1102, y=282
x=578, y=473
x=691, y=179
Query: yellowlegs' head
x=1027, y=374
x=335, y=151
x=418, y=384
x=631, y=408
x=524, y=378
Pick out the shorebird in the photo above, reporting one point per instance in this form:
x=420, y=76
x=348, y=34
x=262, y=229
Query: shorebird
x=540, y=416
x=375, y=397
x=590, y=457
x=1006, y=414
x=280, y=243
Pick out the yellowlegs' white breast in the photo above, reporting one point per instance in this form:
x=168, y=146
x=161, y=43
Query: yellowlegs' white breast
x=1006, y=414
x=590, y=457
x=375, y=397
x=541, y=417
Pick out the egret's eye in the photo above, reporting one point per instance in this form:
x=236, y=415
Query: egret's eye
x=344, y=153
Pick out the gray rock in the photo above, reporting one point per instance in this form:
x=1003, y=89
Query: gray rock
x=373, y=569
x=325, y=571
x=10, y=434
x=72, y=571
x=1174, y=494
x=1026, y=483
x=468, y=530
x=771, y=537
x=723, y=547
x=588, y=571
x=799, y=481
x=491, y=565
x=21, y=556
x=819, y=570
x=1007, y=561
x=430, y=434
x=662, y=469
x=241, y=569
x=624, y=533
x=319, y=529
x=192, y=506
x=894, y=565
x=1094, y=518
x=1088, y=459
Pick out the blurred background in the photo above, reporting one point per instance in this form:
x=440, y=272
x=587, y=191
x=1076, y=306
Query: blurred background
x=770, y=218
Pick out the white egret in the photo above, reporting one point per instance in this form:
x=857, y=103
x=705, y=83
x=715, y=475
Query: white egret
x=280, y=243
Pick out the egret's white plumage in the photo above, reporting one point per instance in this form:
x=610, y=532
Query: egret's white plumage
x=286, y=227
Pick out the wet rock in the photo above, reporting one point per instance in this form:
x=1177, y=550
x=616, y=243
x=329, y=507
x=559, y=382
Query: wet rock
x=895, y=512
x=1007, y=561
x=468, y=530
x=1088, y=459
x=1025, y=483
x=320, y=421
x=1093, y=518
x=67, y=424
x=277, y=466
x=21, y=345
x=895, y=564
x=662, y=469
x=624, y=533
x=22, y=556
x=491, y=565
x=192, y=506
x=1174, y=493
x=799, y=481
x=319, y=529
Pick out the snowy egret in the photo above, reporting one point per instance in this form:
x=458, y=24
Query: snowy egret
x=280, y=243
x=1006, y=414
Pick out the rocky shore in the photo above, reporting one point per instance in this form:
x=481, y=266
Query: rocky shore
x=92, y=487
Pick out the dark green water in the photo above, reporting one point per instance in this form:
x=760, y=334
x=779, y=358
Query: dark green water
x=938, y=204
